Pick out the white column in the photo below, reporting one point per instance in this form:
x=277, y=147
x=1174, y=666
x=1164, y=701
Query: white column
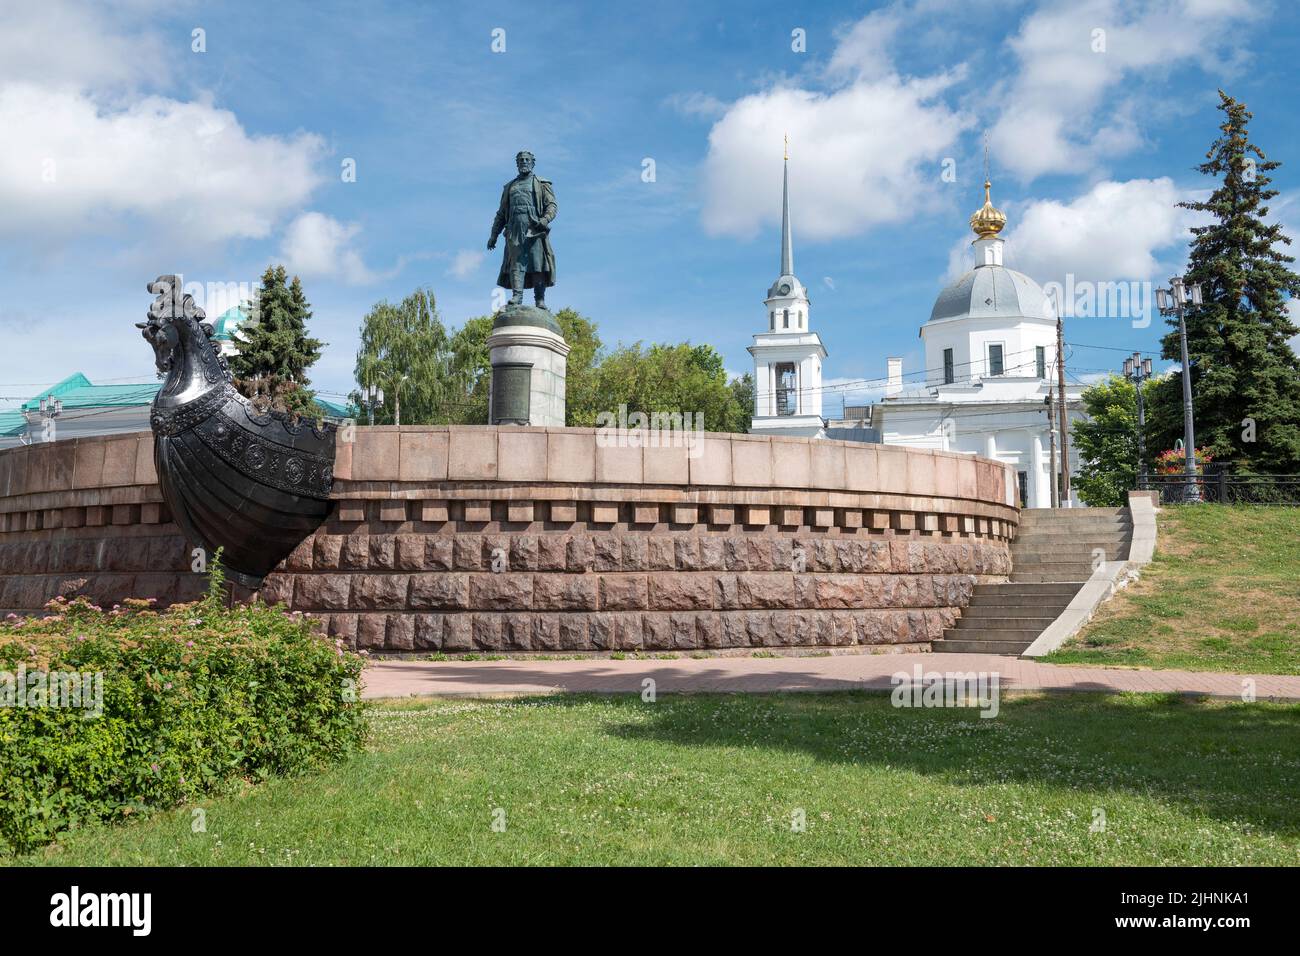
x=1036, y=482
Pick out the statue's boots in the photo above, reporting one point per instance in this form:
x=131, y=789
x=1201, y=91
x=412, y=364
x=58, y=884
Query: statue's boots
x=539, y=297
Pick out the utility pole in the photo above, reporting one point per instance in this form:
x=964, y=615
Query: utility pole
x=1174, y=301
x=1051, y=434
x=1065, y=414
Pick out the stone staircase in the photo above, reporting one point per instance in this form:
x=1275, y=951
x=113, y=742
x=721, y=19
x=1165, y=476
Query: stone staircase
x=1051, y=558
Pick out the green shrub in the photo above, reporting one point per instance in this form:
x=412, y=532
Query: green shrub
x=194, y=700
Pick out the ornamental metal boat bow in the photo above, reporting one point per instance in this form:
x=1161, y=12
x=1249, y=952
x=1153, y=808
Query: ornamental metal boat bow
x=254, y=484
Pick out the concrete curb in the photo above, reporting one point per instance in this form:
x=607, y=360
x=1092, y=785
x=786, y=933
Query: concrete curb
x=1108, y=578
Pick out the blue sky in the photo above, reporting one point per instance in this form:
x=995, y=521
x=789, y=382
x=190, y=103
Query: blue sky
x=126, y=155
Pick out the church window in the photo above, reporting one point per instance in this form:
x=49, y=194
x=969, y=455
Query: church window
x=1040, y=361
x=786, y=389
x=773, y=320
x=995, y=359
x=947, y=367
x=786, y=318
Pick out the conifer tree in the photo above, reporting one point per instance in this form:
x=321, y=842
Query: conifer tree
x=1245, y=376
x=274, y=348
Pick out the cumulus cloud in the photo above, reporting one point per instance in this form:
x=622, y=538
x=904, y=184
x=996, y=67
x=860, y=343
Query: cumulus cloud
x=697, y=105
x=466, y=262
x=317, y=245
x=187, y=168
x=1059, y=114
x=86, y=150
x=1115, y=231
x=863, y=153
x=74, y=45
x=866, y=143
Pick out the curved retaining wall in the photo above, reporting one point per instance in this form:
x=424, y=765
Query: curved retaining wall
x=527, y=539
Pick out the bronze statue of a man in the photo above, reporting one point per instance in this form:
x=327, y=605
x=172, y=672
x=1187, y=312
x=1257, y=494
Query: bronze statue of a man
x=525, y=213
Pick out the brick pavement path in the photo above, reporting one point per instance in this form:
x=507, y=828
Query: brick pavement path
x=844, y=672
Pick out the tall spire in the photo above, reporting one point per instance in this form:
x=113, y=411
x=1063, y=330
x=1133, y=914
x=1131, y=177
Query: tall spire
x=787, y=244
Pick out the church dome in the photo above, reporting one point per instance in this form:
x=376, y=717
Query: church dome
x=992, y=291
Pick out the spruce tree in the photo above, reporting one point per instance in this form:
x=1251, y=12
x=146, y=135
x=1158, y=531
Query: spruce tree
x=274, y=348
x=1245, y=376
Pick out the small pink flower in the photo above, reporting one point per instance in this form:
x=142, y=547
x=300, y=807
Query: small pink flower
x=153, y=767
x=189, y=643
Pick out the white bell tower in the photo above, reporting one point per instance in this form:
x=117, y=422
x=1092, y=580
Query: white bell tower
x=788, y=356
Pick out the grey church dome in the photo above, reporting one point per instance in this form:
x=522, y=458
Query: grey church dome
x=992, y=291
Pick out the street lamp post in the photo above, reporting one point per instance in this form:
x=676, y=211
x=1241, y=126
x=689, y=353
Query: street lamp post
x=372, y=398
x=51, y=408
x=1174, y=301
x=1137, y=370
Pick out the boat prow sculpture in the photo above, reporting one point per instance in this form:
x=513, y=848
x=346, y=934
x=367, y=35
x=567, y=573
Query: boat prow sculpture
x=254, y=484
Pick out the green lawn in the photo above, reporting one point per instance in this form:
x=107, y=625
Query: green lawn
x=1223, y=594
x=718, y=779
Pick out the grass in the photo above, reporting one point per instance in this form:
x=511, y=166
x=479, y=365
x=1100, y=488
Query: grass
x=719, y=780
x=1223, y=594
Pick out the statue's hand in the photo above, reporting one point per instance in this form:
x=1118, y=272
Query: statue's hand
x=492, y=243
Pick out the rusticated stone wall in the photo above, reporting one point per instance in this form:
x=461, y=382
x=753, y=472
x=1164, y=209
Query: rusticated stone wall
x=518, y=540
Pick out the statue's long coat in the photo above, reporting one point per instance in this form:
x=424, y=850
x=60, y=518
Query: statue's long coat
x=544, y=201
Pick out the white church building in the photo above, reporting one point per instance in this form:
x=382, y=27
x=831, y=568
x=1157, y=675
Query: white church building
x=788, y=356
x=990, y=364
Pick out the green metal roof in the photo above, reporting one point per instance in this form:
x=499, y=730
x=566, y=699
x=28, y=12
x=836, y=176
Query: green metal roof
x=334, y=410
x=12, y=423
x=77, y=391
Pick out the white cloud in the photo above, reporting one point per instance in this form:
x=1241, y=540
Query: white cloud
x=1114, y=231
x=466, y=262
x=861, y=155
x=1051, y=116
x=865, y=147
x=73, y=45
x=189, y=169
x=697, y=105
x=318, y=245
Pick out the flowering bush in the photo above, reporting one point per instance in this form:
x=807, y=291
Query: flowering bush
x=1172, y=462
x=191, y=701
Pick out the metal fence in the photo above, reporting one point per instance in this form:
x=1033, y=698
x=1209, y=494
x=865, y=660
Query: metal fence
x=1222, y=487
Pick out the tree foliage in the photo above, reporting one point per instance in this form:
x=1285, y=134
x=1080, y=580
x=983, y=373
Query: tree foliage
x=404, y=351
x=275, y=350
x=1106, y=442
x=449, y=376
x=1243, y=369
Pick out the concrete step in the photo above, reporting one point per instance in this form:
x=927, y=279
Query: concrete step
x=1030, y=609
x=1026, y=634
x=981, y=630
x=1094, y=512
x=1100, y=526
x=1112, y=552
x=1068, y=535
x=1074, y=567
x=1017, y=591
x=959, y=646
x=1050, y=577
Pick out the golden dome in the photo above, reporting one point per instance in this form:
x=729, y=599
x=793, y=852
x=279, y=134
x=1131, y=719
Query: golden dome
x=988, y=220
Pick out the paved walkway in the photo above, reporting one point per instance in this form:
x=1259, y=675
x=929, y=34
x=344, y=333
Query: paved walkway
x=861, y=672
